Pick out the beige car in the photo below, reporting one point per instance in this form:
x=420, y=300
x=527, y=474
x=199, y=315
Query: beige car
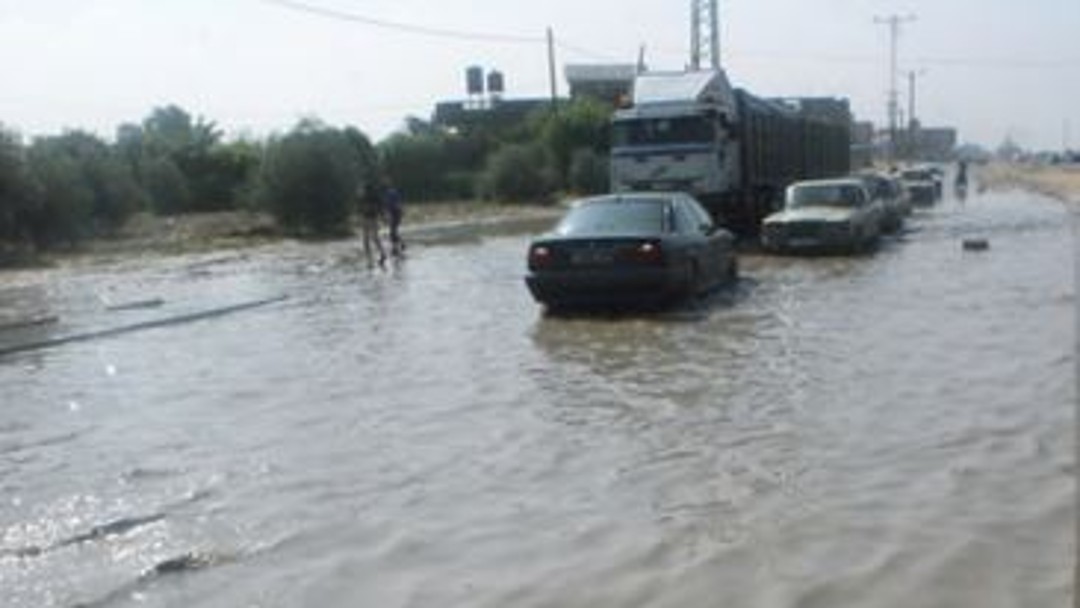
x=836, y=215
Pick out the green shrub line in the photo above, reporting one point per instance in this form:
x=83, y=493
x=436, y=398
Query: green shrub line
x=59, y=190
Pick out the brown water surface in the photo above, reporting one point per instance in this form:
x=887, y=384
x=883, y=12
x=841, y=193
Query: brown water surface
x=884, y=430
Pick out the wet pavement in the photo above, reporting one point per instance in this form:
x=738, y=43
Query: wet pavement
x=893, y=429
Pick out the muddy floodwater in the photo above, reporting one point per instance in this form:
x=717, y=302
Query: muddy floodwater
x=894, y=429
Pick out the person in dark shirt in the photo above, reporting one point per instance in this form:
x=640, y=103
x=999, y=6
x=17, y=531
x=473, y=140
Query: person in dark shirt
x=370, y=207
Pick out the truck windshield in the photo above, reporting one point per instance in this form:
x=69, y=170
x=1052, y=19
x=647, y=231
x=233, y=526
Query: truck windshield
x=652, y=131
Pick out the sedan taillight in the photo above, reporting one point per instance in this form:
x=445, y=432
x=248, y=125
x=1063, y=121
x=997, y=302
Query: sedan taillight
x=647, y=252
x=540, y=256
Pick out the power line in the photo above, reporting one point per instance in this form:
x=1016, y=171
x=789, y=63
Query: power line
x=409, y=28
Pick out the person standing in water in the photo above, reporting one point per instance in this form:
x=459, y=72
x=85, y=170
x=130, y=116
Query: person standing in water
x=962, y=175
x=393, y=205
x=370, y=207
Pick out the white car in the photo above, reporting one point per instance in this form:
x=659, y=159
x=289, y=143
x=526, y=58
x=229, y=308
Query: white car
x=824, y=215
x=893, y=196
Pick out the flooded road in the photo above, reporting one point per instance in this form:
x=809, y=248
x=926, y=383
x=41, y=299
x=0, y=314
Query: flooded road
x=887, y=430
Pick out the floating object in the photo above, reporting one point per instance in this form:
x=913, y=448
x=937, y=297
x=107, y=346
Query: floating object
x=136, y=305
x=976, y=244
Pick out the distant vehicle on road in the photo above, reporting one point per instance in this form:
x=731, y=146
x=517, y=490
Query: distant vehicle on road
x=824, y=216
x=938, y=174
x=636, y=249
x=894, y=198
x=922, y=184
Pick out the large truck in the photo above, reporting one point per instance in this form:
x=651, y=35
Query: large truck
x=736, y=153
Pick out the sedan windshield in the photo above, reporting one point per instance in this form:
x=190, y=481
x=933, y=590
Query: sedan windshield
x=823, y=196
x=646, y=132
x=614, y=217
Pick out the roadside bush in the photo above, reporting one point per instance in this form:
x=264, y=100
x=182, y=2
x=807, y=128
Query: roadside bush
x=14, y=188
x=116, y=193
x=589, y=172
x=63, y=202
x=519, y=173
x=166, y=186
x=216, y=175
x=81, y=163
x=417, y=164
x=308, y=180
x=584, y=123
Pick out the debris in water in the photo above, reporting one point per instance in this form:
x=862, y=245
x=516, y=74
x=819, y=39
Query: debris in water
x=136, y=304
x=976, y=244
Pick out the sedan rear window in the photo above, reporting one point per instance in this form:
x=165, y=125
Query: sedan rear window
x=615, y=217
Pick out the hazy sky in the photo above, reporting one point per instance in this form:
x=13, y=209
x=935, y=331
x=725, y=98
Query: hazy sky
x=991, y=68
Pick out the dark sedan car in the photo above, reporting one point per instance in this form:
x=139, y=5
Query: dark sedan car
x=634, y=249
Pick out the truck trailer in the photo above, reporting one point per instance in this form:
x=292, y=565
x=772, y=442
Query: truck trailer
x=734, y=152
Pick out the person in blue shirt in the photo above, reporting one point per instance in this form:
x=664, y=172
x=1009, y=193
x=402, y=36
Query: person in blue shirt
x=393, y=206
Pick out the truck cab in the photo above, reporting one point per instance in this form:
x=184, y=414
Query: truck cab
x=677, y=136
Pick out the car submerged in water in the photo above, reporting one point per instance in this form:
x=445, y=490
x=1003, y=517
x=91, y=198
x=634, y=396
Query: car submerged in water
x=894, y=199
x=836, y=215
x=632, y=249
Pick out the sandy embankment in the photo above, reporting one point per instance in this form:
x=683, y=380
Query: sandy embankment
x=190, y=233
x=1059, y=181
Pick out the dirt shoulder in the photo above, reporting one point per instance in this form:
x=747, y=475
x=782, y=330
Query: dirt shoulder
x=1059, y=181
x=147, y=234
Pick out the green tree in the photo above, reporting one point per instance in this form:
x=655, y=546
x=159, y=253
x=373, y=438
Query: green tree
x=171, y=130
x=217, y=174
x=417, y=164
x=115, y=194
x=308, y=180
x=519, y=173
x=15, y=190
x=582, y=124
x=589, y=172
x=63, y=201
x=166, y=186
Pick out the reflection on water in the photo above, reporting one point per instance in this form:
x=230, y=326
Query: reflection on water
x=886, y=430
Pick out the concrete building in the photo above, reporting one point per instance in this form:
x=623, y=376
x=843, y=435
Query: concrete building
x=609, y=82
x=495, y=113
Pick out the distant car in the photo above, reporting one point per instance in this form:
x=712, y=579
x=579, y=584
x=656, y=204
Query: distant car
x=894, y=198
x=824, y=215
x=630, y=249
x=922, y=184
x=937, y=172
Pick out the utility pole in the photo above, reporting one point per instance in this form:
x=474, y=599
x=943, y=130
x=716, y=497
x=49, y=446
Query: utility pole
x=704, y=33
x=552, y=71
x=911, y=99
x=913, y=122
x=894, y=22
